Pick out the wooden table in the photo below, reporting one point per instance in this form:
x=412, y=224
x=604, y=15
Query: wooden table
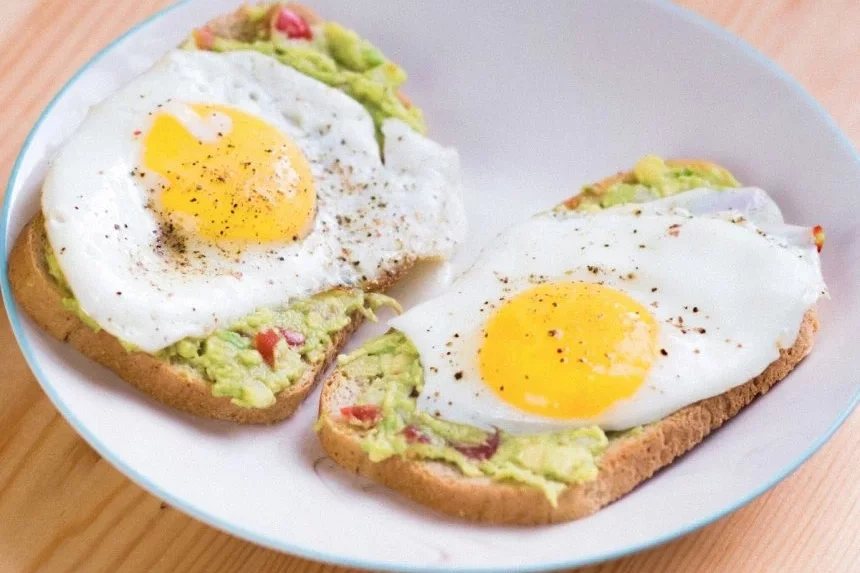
x=63, y=508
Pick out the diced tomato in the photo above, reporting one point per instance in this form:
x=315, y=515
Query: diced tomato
x=364, y=415
x=573, y=202
x=265, y=343
x=413, y=435
x=483, y=451
x=818, y=236
x=204, y=38
x=293, y=338
x=291, y=24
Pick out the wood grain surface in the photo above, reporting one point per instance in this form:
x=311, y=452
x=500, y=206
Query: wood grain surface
x=64, y=509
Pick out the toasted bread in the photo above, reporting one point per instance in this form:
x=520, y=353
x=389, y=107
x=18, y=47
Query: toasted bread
x=602, y=186
x=237, y=26
x=627, y=462
x=39, y=296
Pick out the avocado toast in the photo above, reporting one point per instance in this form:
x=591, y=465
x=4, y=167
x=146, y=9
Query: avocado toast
x=369, y=422
x=173, y=380
x=259, y=368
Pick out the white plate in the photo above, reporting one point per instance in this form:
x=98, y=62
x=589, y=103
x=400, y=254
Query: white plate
x=538, y=101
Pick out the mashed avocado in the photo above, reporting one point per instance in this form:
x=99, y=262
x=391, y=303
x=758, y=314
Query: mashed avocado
x=332, y=54
x=392, y=370
x=229, y=358
x=653, y=178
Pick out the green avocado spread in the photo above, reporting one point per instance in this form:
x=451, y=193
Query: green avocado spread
x=391, y=373
x=652, y=178
x=332, y=54
x=229, y=359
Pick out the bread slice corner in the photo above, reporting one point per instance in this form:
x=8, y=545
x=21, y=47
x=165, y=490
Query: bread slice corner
x=39, y=296
x=627, y=462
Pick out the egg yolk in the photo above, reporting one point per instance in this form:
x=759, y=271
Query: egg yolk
x=230, y=175
x=567, y=350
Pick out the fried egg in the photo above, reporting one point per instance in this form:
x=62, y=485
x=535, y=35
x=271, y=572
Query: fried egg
x=216, y=184
x=617, y=318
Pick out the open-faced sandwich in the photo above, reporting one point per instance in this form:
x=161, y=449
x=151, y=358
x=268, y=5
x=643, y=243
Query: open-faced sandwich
x=588, y=347
x=215, y=230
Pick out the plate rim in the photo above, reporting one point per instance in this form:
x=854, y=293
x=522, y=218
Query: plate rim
x=188, y=508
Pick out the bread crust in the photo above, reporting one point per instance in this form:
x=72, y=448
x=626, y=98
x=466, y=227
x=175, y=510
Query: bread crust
x=39, y=296
x=237, y=26
x=602, y=186
x=625, y=464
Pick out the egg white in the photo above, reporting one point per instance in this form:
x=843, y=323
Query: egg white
x=742, y=295
x=103, y=235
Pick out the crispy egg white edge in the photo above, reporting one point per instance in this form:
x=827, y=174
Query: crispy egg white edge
x=713, y=371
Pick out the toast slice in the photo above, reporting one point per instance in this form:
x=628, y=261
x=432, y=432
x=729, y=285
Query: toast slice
x=246, y=23
x=599, y=189
x=627, y=462
x=630, y=458
x=39, y=295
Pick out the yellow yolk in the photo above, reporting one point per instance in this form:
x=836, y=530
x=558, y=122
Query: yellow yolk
x=567, y=350
x=247, y=182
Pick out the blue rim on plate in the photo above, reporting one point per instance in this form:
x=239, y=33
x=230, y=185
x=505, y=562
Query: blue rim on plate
x=105, y=452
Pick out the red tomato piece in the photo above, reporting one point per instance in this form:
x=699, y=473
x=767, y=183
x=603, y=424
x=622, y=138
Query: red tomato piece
x=293, y=338
x=483, y=451
x=291, y=24
x=204, y=38
x=265, y=343
x=366, y=415
x=413, y=435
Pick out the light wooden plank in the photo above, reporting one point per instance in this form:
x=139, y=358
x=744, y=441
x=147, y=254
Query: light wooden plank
x=63, y=508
